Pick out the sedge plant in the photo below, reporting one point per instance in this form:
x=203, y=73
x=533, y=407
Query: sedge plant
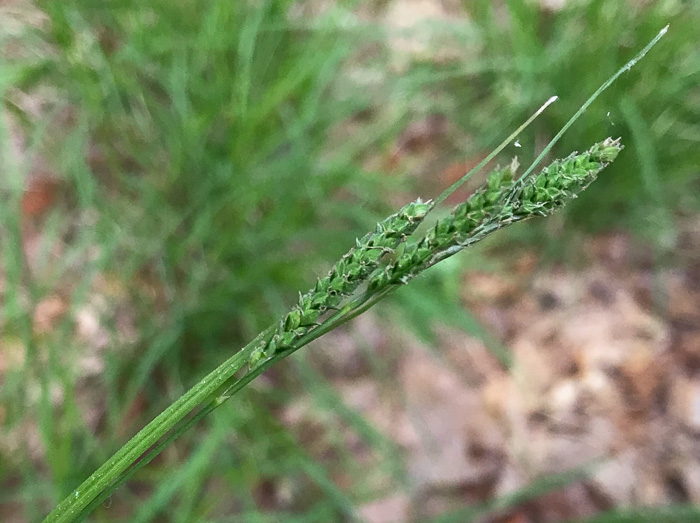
x=380, y=262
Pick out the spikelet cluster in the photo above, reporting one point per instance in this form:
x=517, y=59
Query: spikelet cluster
x=563, y=180
x=500, y=202
x=344, y=278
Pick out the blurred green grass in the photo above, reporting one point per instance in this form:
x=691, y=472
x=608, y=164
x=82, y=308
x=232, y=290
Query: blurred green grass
x=204, y=184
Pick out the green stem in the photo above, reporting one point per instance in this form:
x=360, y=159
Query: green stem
x=123, y=465
x=73, y=505
x=345, y=314
x=178, y=431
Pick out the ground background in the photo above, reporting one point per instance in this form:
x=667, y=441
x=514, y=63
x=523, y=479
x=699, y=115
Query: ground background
x=173, y=173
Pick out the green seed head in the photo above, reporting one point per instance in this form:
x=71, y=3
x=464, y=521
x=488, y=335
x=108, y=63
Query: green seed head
x=416, y=210
x=500, y=202
x=346, y=275
x=562, y=180
x=606, y=151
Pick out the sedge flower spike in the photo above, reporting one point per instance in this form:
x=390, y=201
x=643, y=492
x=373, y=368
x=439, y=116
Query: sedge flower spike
x=343, y=279
x=498, y=203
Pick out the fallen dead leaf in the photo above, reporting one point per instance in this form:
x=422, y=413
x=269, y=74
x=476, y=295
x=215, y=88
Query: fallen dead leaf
x=40, y=195
x=48, y=312
x=392, y=509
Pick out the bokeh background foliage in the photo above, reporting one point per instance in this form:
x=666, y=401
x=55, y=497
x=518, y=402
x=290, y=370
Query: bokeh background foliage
x=208, y=158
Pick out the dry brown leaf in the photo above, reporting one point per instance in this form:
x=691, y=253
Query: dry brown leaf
x=40, y=195
x=48, y=312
